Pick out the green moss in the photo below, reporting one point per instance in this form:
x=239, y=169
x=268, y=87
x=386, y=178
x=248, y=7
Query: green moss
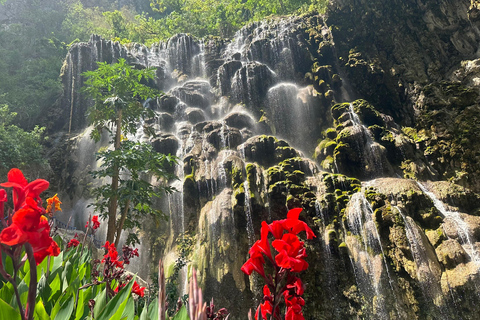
x=328, y=163
x=331, y=235
x=343, y=134
x=291, y=164
x=367, y=113
x=330, y=133
x=339, y=108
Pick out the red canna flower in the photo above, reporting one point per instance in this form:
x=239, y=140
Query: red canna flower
x=267, y=306
x=291, y=253
x=23, y=189
x=262, y=245
x=294, y=306
x=95, y=223
x=296, y=285
x=29, y=225
x=137, y=289
x=73, y=243
x=112, y=254
x=27, y=219
x=288, y=260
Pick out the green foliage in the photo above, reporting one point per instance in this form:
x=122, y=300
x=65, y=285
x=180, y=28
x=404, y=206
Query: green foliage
x=65, y=287
x=19, y=148
x=135, y=194
x=116, y=87
x=117, y=90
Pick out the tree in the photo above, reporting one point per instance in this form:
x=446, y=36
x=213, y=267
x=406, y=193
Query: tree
x=135, y=195
x=117, y=90
x=19, y=148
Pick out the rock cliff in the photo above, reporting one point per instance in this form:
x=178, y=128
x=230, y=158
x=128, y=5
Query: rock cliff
x=365, y=117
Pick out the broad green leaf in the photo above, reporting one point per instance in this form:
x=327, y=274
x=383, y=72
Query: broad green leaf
x=40, y=312
x=182, y=314
x=100, y=302
x=57, y=262
x=79, y=313
x=6, y=292
x=63, y=308
x=55, y=285
x=129, y=312
x=67, y=272
x=43, y=288
x=115, y=307
x=153, y=310
x=8, y=312
x=144, y=314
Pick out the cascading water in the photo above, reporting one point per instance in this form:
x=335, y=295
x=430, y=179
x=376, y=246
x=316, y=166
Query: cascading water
x=213, y=111
x=372, y=272
x=370, y=152
x=464, y=233
x=287, y=98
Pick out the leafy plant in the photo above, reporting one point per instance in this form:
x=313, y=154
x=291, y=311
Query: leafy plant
x=117, y=90
x=19, y=148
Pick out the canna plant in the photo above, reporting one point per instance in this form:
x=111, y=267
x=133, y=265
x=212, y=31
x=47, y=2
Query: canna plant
x=61, y=286
x=38, y=280
x=283, y=282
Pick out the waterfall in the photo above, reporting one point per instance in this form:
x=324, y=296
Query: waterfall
x=370, y=151
x=223, y=102
x=286, y=98
x=464, y=233
x=372, y=270
x=428, y=270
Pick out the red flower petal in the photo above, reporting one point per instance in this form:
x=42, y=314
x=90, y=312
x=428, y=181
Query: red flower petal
x=13, y=235
x=294, y=213
x=255, y=263
x=15, y=175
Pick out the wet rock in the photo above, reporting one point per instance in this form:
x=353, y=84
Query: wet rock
x=225, y=75
x=165, y=122
x=195, y=115
x=239, y=120
x=450, y=253
x=194, y=93
x=251, y=83
x=166, y=144
x=225, y=137
x=456, y=196
x=167, y=103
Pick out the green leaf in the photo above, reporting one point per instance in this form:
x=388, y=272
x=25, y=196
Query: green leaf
x=43, y=288
x=115, y=307
x=40, y=312
x=153, y=310
x=7, y=292
x=79, y=313
x=63, y=308
x=129, y=312
x=144, y=314
x=7, y=312
x=100, y=302
x=55, y=285
x=182, y=314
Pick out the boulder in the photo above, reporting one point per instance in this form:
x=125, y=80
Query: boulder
x=166, y=144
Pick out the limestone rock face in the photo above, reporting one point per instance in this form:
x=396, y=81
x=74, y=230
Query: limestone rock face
x=385, y=96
